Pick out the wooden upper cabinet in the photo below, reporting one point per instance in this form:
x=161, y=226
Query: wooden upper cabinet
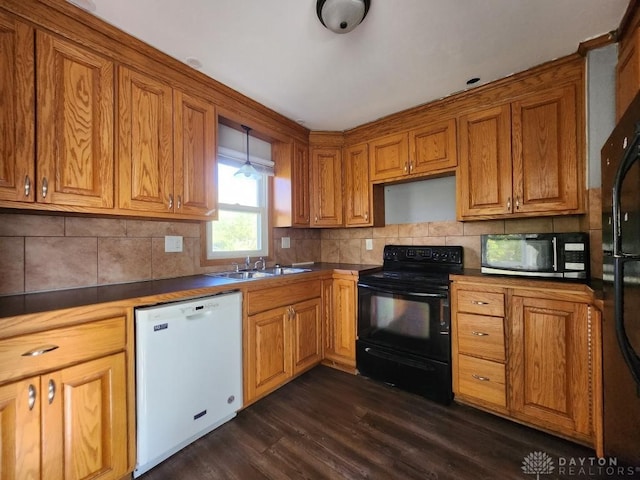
x=300, y=185
x=545, y=152
x=627, y=72
x=326, y=186
x=484, y=177
x=75, y=114
x=419, y=152
x=357, y=190
x=17, y=115
x=194, y=155
x=433, y=148
x=145, y=147
x=389, y=157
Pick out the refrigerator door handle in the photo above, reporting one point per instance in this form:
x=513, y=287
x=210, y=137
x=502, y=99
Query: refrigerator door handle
x=629, y=354
x=631, y=156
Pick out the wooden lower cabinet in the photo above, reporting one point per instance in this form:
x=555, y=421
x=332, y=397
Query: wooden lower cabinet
x=281, y=342
x=66, y=423
x=532, y=355
x=340, y=311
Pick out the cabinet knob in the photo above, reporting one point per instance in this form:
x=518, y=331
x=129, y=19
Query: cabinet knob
x=27, y=185
x=45, y=187
x=32, y=396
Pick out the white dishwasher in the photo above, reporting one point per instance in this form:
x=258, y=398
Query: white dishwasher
x=188, y=373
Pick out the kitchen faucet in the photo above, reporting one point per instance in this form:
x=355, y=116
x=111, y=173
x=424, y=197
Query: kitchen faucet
x=260, y=260
x=247, y=262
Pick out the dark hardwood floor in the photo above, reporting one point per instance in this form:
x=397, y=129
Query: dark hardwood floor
x=329, y=424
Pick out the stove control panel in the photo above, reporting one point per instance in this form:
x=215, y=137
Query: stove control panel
x=423, y=254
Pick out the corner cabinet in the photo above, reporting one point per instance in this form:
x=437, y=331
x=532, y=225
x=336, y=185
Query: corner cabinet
x=530, y=352
x=282, y=336
x=166, y=149
x=63, y=403
x=326, y=187
x=339, y=298
x=522, y=158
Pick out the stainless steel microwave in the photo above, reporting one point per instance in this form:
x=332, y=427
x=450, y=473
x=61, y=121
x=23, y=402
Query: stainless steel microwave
x=553, y=255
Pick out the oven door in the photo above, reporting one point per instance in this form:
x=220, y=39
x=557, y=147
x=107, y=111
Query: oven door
x=415, y=322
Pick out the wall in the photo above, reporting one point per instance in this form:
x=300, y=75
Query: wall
x=43, y=252
x=348, y=244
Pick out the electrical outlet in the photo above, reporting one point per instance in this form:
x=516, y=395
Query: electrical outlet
x=286, y=242
x=172, y=243
x=368, y=244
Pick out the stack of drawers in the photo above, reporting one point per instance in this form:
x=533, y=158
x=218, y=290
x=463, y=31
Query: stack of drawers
x=479, y=346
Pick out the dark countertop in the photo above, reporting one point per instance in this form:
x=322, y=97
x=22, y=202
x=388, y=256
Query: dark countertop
x=29, y=303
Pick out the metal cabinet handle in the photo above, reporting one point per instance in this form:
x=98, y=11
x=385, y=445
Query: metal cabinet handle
x=32, y=396
x=170, y=201
x=40, y=350
x=27, y=185
x=52, y=391
x=481, y=378
x=179, y=202
x=517, y=203
x=478, y=302
x=509, y=204
x=410, y=167
x=405, y=167
x=480, y=334
x=45, y=187
x=316, y=219
x=366, y=216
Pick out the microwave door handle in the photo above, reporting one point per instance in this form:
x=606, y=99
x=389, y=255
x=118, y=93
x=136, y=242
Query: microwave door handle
x=554, y=241
x=400, y=292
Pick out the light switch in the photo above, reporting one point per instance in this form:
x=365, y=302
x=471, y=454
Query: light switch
x=172, y=243
x=368, y=244
x=286, y=242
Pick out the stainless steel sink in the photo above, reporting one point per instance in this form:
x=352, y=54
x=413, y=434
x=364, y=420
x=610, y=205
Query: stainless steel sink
x=285, y=270
x=255, y=274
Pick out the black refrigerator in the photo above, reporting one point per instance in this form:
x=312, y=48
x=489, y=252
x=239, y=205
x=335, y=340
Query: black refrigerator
x=621, y=286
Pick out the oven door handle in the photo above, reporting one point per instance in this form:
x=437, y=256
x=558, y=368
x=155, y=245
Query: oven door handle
x=401, y=292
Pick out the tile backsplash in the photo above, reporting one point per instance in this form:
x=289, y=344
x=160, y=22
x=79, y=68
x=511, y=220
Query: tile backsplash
x=47, y=252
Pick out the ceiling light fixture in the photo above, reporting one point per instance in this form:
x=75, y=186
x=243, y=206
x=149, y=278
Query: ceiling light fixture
x=342, y=16
x=247, y=170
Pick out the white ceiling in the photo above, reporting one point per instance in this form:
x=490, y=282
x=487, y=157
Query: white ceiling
x=405, y=53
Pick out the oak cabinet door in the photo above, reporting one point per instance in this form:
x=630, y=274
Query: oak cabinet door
x=195, y=155
x=17, y=115
x=433, y=147
x=306, y=335
x=340, y=320
x=84, y=421
x=269, y=354
x=145, y=143
x=549, y=365
x=357, y=192
x=326, y=186
x=485, y=176
x=20, y=430
x=75, y=114
x=389, y=157
x=545, y=152
x=627, y=73
x=300, y=185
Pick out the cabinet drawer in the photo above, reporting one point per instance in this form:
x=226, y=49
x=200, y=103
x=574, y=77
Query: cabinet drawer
x=261, y=300
x=482, y=379
x=480, y=336
x=483, y=303
x=19, y=356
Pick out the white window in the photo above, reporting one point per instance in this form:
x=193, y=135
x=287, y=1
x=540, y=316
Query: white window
x=242, y=228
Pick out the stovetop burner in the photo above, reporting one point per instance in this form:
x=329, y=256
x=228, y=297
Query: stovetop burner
x=417, y=267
